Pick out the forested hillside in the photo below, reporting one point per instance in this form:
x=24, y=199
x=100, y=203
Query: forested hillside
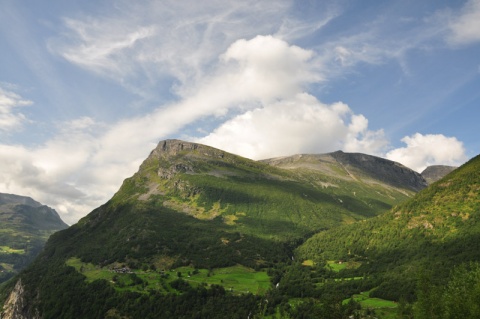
x=437, y=229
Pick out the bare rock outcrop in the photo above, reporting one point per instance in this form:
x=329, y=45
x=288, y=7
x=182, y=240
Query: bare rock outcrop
x=15, y=306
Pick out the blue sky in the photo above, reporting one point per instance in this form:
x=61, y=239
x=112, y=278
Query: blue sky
x=88, y=88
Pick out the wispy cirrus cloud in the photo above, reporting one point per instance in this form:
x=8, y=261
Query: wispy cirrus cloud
x=10, y=116
x=103, y=52
x=171, y=39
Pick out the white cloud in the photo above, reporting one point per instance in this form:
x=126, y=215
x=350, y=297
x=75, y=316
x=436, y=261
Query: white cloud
x=10, y=117
x=50, y=172
x=361, y=139
x=300, y=124
x=84, y=164
x=465, y=28
x=430, y=149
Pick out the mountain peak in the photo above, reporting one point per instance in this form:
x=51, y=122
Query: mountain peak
x=435, y=172
x=174, y=147
x=17, y=199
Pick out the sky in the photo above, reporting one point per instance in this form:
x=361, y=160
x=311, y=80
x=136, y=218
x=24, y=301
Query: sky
x=88, y=88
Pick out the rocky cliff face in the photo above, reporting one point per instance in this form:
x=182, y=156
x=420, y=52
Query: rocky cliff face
x=15, y=306
x=382, y=169
x=169, y=148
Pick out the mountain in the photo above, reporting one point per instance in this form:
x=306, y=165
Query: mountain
x=25, y=226
x=435, y=172
x=208, y=216
x=437, y=229
x=355, y=167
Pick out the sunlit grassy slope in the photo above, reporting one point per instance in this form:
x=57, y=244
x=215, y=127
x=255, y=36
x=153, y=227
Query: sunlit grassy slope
x=201, y=205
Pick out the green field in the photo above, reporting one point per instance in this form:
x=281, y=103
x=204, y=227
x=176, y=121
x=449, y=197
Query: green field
x=367, y=302
x=336, y=265
x=308, y=263
x=237, y=279
x=9, y=250
x=7, y=267
x=384, y=309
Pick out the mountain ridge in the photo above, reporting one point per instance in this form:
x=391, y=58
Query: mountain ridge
x=25, y=226
x=390, y=172
x=6, y=198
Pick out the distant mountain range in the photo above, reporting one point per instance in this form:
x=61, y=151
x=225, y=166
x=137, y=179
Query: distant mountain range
x=194, y=217
x=25, y=226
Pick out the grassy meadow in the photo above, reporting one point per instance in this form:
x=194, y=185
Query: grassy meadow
x=237, y=279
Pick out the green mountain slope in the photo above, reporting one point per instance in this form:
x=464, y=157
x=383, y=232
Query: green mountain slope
x=25, y=226
x=227, y=204
x=437, y=229
x=202, y=209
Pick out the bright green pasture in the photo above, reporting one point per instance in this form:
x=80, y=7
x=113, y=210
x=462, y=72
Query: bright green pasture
x=336, y=266
x=374, y=303
x=367, y=302
x=90, y=271
x=384, y=309
x=308, y=262
x=9, y=250
x=238, y=279
x=7, y=267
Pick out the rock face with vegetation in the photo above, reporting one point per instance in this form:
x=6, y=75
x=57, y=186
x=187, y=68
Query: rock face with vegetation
x=25, y=226
x=199, y=232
